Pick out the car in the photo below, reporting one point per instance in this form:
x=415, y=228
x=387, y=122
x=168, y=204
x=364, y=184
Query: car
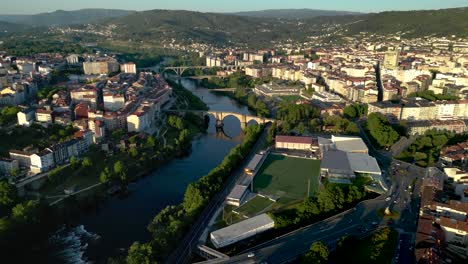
x=388, y=199
x=251, y=255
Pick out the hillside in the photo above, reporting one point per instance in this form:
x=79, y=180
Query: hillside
x=61, y=17
x=221, y=29
x=6, y=27
x=293, y=13
x=444, y=22
x=185, y=26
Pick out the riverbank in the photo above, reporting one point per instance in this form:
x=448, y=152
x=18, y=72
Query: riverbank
x=169, y=226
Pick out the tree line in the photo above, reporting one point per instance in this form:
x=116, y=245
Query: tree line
x=169, y=226
x=331, y=199
x=380, y=130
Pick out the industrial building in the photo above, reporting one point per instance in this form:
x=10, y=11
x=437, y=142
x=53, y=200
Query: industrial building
x=242, y=230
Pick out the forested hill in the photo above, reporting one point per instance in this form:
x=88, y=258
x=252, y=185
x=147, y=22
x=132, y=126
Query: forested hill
x=216, y=28
x=444, y=22
x=6, y=27
x=61, y=17
x=293, y=13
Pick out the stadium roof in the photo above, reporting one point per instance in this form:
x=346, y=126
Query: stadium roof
x=237, y=192
x=241, y=230
x=336, y=160
x=253, y=164
x=350, y=144
x=363, y=163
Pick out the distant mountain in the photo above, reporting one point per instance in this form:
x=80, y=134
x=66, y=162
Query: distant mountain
x=293, y=13
x=61, y=17
x=186, y=26
x=443, y=22
x=229, y=29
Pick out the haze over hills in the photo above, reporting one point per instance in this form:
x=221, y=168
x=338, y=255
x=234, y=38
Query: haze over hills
x=251, y=29
x=227, y=28
x=443, y=22
x=294, y=13
x=61, y=17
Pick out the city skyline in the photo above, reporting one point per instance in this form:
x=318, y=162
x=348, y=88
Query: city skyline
x=366, y=6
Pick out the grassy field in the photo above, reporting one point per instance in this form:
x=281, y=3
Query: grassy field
x=254, y=206
x=287, y=177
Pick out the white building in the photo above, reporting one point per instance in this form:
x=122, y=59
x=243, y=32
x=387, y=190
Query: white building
x=42, y=161
x=26, y=117
x=113, y=102
x=140, y=120
x=128, y=68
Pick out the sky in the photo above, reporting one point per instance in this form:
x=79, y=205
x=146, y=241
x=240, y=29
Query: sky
x=38, y=6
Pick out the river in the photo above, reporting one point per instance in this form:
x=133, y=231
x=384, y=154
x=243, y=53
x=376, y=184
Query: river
x=119, y=222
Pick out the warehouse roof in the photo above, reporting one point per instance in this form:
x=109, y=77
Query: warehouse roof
x=363, y=163
x=336, y=160
x=237, y=192
x=349, y=144
x=241, y=229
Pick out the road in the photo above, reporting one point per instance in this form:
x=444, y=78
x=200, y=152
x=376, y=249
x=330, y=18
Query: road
x=183, y=252
x=359, y=221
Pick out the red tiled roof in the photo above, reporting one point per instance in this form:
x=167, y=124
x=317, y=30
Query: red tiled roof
x=293, y=139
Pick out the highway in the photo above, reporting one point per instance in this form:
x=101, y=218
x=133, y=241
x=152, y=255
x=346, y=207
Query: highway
x=358, y=221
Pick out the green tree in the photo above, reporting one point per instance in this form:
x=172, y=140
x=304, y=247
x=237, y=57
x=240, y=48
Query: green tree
x=301, y=128
x=133, y=152
x=176, y=122
x=26, y=212
x=150, y=142
x=193, y=198
x=105, y=175
x=120, y=171
x=74, y=162
x=350, y=112
x=317, y=254
x=140, y=254
x=8, y=196
x=87, y=162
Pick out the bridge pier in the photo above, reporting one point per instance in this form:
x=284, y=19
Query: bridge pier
x=219, y=124
x=243, y=125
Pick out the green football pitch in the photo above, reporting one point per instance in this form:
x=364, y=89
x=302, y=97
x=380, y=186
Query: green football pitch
x=254, y=206
x=287, y=177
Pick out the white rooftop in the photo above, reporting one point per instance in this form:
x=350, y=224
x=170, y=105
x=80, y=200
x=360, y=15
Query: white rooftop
x=349, y=144
x=363, y=163
x=242, y=229
x=237, y=192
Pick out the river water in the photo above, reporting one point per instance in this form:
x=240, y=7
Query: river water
x=112, y=228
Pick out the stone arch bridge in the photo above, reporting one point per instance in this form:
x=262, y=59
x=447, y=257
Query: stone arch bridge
x=220, y=115
x=180, y=69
